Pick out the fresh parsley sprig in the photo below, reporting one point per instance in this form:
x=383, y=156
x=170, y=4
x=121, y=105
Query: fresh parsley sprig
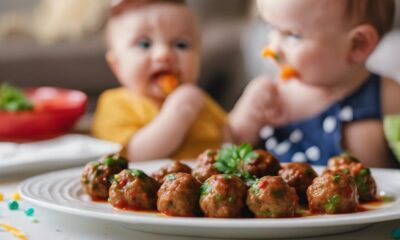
x=13, y=99
x=231, y=160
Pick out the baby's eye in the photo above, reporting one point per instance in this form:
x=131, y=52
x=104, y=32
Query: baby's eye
x=144, y=43
x=294, y=35
x=182, y=45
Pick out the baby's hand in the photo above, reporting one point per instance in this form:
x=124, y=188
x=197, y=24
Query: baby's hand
x=185, y=102
x=260, y=105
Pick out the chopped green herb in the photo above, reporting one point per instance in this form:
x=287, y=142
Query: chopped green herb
x=266, y=213
x=336, y=178
x=115, y=159
x=254, y=188
x=138, y=173
x=111, y=178
x=230, y=160
x=345, y=170
x=205, y=188
x=330, y=205
x=170, y=177
x=362, y=180
x=13, y=99
x=230, y=199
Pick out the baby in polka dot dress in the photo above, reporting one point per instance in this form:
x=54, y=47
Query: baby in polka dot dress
x=333, y=103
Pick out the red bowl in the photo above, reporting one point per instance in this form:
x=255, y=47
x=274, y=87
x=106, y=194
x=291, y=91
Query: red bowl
x=55, y=112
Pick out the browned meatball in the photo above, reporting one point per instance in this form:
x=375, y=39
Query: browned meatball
x=179, y=195
x=97, y=176
x=299, y=176
x=333, y=193
x=205, y=165
x=223, y=196
x=134, y=190
x=271, y=197
x=172, y=167
x=264, y=165
x=365, y=182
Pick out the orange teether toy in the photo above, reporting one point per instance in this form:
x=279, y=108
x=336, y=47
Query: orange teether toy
x=168, y=83
x=288, y=72
x=268, y=52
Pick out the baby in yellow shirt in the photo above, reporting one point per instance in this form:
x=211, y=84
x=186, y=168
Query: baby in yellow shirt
x=154, y=51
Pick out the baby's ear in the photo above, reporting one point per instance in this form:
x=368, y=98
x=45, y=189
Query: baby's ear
x=112, y=61
x=364, y=39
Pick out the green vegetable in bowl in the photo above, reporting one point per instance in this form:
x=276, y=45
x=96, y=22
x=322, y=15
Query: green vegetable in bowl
x=13, y=99
x=392, y=133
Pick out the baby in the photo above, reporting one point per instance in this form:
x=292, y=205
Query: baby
x=154, y=51
x=331, y=103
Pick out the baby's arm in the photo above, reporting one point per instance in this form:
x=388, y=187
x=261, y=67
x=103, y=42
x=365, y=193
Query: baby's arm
x=259, y=105
x=165, y=134
x=390, y=95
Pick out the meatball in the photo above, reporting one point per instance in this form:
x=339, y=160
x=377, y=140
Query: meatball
x=97, y=176
x=205, y=165
x=223, y=196
x=264, y=165
x=172, y=167
x=333, y=193
x=299, y=176
x=365, y=182
x=271, y=197
x=179, y=195
x=134, y=190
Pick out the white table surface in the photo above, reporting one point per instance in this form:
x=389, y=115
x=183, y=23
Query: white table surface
x=58, y=226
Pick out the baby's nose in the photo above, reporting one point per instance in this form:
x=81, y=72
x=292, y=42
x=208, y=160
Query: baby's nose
x=163, y=54
x=275, y=44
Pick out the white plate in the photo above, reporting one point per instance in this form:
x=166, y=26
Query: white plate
x=61, y=191
x=62, y=152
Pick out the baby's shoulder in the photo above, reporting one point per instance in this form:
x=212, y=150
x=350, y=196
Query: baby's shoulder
x=390, y=96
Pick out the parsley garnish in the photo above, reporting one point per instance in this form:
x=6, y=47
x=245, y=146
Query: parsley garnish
x=330, y=205
x=115, y=159
x=230, y=160
x=170, y=177
x=13, y=99
x=205, y=188
x=138, y=173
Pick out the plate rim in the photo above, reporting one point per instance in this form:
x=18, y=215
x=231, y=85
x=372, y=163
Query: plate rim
x=367, y=217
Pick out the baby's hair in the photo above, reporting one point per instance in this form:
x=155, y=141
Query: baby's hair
x=378, y=13
x=118, y=6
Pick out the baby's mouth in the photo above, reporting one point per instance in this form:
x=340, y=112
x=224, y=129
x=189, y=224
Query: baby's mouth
x=167, y=81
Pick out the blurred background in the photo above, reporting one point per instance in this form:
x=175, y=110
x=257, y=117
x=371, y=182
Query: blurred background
x=60, y=43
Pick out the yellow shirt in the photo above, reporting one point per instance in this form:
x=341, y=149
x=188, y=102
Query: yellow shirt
x=120, y=114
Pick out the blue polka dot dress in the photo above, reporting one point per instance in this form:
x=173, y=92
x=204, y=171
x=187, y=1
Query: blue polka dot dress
x=316, y=139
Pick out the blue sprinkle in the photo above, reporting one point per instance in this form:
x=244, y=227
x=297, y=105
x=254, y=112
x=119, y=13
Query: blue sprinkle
x=396, y=233
x=13, y=205
x=29, y=212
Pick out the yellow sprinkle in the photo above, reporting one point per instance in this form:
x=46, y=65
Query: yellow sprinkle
x=1, y=197
x=15, y=196
x=17, y=233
